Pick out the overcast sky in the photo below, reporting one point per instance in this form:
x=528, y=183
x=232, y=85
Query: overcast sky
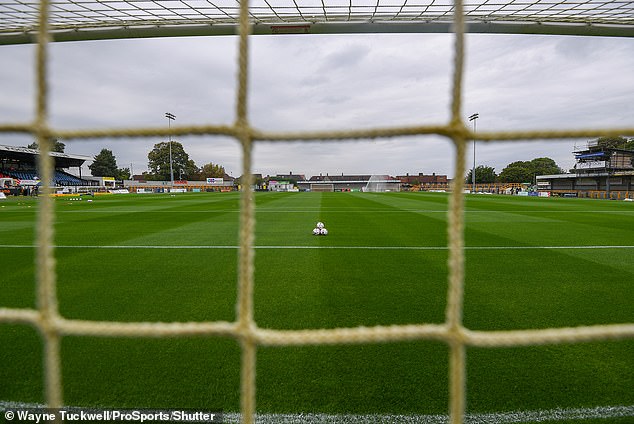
x=327, y=82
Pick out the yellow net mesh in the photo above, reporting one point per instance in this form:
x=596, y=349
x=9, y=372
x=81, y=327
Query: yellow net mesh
x=53, y=326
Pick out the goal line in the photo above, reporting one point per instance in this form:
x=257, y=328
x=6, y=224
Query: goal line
x=518, y=417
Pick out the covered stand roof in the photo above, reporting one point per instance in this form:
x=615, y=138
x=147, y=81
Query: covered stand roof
x=29, y=156
x=592, y=155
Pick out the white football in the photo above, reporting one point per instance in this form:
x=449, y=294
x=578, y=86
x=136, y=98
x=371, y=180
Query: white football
x=316, y=231
x=324, y=231
x=320, y=225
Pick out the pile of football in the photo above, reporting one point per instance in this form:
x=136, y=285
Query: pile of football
x=320, y=230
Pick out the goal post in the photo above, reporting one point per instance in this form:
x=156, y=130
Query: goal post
x=325, y=187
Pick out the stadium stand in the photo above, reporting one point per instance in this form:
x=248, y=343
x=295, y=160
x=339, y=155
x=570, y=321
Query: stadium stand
x=65, y=179
x=60, y=178
x=599, y=172
x=19, y=163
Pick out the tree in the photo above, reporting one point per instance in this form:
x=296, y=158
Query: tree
x=159, y=162
x=123, y=174
x=616, y=143
x=190, y=171
x=516, y=172
x=104, y=165
x=483, y=174
x=212, y=170
x=525, y=171
x=57, y=146
x=545, y=166
x=257, y=179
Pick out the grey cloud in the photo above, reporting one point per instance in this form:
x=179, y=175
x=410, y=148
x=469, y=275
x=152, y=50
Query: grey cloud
x=344, y=57
x=329, y=82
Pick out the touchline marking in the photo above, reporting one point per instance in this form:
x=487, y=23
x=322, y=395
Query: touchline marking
x=559, y=414
x=228, y=247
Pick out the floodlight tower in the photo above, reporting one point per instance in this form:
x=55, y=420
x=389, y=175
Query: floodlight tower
x=473, y=179
x=170, y=117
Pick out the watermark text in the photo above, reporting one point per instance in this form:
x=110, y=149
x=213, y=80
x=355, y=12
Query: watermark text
x=78, y=415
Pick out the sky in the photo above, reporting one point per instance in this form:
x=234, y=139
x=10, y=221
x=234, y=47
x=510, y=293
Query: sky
x=322, y=82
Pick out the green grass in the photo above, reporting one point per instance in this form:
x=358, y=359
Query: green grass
x=325, y=288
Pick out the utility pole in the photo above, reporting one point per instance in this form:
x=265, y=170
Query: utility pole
x=170, y=117
x=473, y=171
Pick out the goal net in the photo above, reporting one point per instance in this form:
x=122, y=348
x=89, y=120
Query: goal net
x=378, y=184
x=94, y=19
x=26, y=21
x=322, y=187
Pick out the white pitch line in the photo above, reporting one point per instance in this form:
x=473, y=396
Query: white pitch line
x=559, y=414
x=233, y=247
x=325, y=211
x=600, y=412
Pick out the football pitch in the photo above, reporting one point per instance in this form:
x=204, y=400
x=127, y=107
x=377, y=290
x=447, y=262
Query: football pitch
x=531, y=263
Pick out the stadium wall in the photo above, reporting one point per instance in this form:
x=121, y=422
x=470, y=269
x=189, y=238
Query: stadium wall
x=165, y=186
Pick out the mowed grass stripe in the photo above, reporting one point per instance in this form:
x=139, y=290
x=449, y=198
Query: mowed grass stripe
x=141, y=225
x=546, y=289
